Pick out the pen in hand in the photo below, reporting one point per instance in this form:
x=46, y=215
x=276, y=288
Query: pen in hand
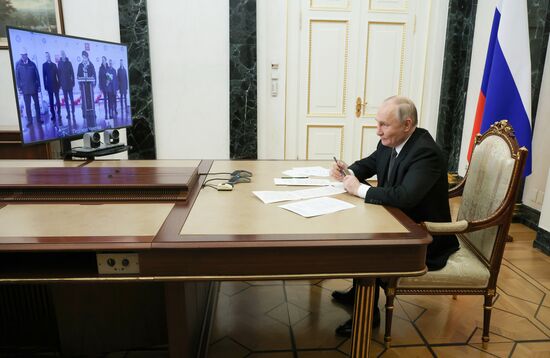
x=342, y=171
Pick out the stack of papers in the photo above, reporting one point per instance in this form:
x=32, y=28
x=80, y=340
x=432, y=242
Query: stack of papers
x=274, y=196
x=307, y=171
x=303, y=181
x=318, y=206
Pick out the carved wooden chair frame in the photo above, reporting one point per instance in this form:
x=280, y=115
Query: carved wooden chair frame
x=500, y=218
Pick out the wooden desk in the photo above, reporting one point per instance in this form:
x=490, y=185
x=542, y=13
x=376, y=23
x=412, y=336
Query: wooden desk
x=234, y=236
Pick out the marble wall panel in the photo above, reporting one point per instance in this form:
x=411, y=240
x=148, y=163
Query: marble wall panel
x=542, y=242
x=243, y=79
x=539, y=28
x=134, y=31
x=456, y=70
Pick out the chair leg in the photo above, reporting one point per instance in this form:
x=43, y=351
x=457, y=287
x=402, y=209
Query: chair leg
x=390, y=296
x=487, y=308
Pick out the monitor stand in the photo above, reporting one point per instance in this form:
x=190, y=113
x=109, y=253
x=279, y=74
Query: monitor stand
x=69, y=153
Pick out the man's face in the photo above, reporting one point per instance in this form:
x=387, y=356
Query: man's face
x=389, y=128
x=103, y=60
x=121, y=63
x=63, y=55
x=24, y=57
x=85, y=59
x=110, y=63
x=47, y=57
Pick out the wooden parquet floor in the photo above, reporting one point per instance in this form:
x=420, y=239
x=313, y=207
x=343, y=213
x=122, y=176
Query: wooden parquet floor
x=280, y=319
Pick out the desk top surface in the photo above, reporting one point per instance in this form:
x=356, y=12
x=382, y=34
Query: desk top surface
x=208, y=219
x=240, y=212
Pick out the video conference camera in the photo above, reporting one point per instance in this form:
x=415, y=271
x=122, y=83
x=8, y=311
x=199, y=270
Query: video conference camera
x=92, y=140
x=111, y=136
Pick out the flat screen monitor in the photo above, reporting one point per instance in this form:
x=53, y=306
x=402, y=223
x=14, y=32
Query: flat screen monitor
x=66, y=86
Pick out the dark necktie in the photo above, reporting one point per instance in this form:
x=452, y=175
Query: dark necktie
x=392, y=161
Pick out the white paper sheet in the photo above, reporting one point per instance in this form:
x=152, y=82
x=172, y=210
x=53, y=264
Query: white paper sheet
x=318, y=206
x=307, y=171
x=307, y=181
x=269, y=197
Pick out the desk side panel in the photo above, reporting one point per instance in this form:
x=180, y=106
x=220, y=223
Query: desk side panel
x=309, y=262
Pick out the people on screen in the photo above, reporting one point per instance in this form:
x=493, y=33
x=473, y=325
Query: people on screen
x=86, y=69
x=28, y=83
x=122, y=77
x=102, y=76
x=58, y=74
x=51, y=85
x=66, y=79
x=411, y=170
x=87, y=79
x=111, y=87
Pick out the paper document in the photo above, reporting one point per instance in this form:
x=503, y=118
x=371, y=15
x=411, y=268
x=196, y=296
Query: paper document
x=307, y=171
x=297, y=181
x=318, y=206
x=269, y=197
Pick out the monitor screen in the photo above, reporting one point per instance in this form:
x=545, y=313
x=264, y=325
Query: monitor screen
x=66, y=86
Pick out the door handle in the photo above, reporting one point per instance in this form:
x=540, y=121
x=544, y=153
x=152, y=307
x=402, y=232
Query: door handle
x=359, y=107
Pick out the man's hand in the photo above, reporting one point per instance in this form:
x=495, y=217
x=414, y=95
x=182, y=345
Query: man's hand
x=351, y=184
x=337, y=169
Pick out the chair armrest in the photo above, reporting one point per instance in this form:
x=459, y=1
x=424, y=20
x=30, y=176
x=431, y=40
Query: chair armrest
x=436, y=228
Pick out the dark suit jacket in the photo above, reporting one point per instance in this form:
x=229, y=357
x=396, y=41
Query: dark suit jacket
x=66, y=74
x=122, y=77
x=418, y=186
x=51, y=79
x=27, y=77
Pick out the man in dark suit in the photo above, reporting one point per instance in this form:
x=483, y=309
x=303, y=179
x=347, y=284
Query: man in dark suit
x=51, y=84
x=66, y=78
x=111, y=86
x=27, y=80
x=87, y=79
x=122, y=78
x=412, y=175
x=103, y=83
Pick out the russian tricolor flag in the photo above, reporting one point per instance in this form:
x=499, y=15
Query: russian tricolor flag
x=506, y=85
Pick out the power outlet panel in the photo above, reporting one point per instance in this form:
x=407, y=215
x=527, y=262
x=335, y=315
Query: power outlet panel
x=117, y=263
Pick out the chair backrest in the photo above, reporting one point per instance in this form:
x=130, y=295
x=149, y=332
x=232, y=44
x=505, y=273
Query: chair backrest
x=490, y=188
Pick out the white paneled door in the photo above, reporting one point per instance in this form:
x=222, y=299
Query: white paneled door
x=352, y=54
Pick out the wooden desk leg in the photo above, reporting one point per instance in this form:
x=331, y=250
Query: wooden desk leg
x=178, y=345
x=362, y=317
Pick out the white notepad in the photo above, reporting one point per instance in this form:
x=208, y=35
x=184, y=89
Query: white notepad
x=270, y=196
x=300, y=181
x=307, y=171
x=318, y=206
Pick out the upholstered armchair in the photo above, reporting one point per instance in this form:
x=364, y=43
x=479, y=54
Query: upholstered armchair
x=488, y=195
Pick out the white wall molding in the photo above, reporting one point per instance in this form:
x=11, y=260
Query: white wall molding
x=434, y=65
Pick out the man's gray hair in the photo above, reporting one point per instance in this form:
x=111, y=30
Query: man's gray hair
x=405, y=108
